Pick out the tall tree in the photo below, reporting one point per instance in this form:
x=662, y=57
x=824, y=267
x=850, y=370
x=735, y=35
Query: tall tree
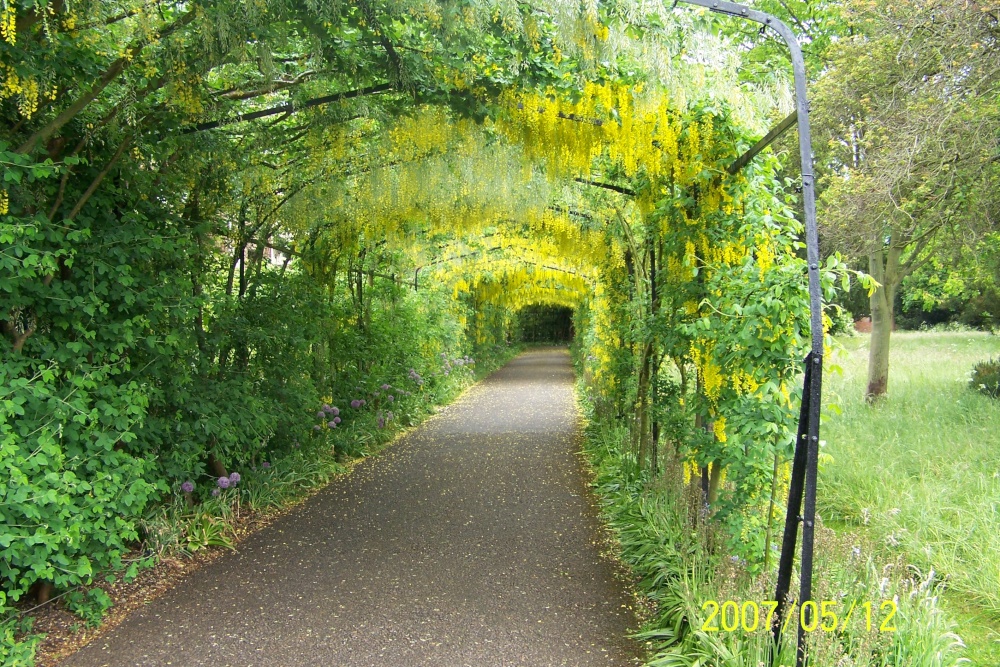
x=910, y=112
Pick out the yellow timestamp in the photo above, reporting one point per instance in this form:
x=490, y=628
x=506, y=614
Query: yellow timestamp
x=812, y=615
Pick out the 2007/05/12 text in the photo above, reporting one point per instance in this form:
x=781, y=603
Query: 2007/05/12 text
x=750, y=616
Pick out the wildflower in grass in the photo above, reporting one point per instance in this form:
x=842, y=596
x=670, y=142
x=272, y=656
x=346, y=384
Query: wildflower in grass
x=187, y=487
x=363, y=401
x=265, y=465
x=390, y=398
x=234, y=478
x=316, y=427
x=215, y=492
x=327, y=408
x=223, y=482
x=332, y=424
x=320, y=414
x=335, y=411
x=380, y=421
x=388, y=416
x=386, y=387
x=356, y=404
x=336, y=420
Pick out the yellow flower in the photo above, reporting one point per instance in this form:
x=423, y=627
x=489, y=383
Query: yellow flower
x=719, y=428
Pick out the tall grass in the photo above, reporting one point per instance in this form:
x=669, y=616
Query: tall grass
x=919, y=472
x=680, y=566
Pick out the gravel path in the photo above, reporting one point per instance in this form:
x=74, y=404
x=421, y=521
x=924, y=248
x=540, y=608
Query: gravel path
x=472, y=541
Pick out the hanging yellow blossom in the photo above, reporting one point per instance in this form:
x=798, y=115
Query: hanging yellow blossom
x=719, y=428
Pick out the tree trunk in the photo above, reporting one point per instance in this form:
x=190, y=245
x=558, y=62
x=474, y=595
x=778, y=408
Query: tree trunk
x=642, y=406
x=714, y=483
x=883, y=267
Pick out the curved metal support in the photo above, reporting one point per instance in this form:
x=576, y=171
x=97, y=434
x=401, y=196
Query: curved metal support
x=804, y=470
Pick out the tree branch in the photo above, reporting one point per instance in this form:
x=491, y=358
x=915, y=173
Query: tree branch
x=289, y=108
x=112, y=73
x=607, y=186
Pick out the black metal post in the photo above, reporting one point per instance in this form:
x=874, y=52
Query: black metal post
x=796, y=485
x=813, y=389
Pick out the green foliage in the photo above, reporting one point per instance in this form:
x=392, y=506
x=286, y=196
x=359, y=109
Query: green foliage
x=89, y=605
x=544, y=324
x=986, y=378
x=17, y=644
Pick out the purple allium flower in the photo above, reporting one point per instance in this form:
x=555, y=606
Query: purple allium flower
x=336, y=420
x=334, y=411
x=327, y=408
x=355, y=404
x=332, y=424
x=223, y=482
x=187, y=487
x=265, y=465
x=389, y=416
x=215, y=492
x=363, y=401
x=316, y=427
x=390, y=398
x=386, y=387
x=320, y=414
x=234, y=478
x=381, y=421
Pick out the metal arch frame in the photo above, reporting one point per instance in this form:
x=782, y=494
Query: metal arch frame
x=804, y=465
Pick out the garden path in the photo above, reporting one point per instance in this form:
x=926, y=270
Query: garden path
x=471, y=541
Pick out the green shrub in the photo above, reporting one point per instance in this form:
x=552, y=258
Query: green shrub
x=986, y=378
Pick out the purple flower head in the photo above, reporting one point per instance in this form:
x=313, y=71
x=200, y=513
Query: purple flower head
x=187, y=487
x=327, y=407
x=363, y=401
x=215, y=492
x=320, y=414
x=390, y=398
x=381, y=421
x=332, y=424
x=336, y=420
x=355, y=404
x=335, y=411
x=234, y=478
x=223, y=482
x=265, y=464
x=316, y=427
x=386, y=387
x=389, y=416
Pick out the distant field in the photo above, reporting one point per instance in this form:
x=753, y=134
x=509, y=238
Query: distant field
x=920, y=472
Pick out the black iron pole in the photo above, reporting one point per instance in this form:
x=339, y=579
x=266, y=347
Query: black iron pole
x=815, y=359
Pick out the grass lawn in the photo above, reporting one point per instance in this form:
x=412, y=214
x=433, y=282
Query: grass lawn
x=920, y=471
